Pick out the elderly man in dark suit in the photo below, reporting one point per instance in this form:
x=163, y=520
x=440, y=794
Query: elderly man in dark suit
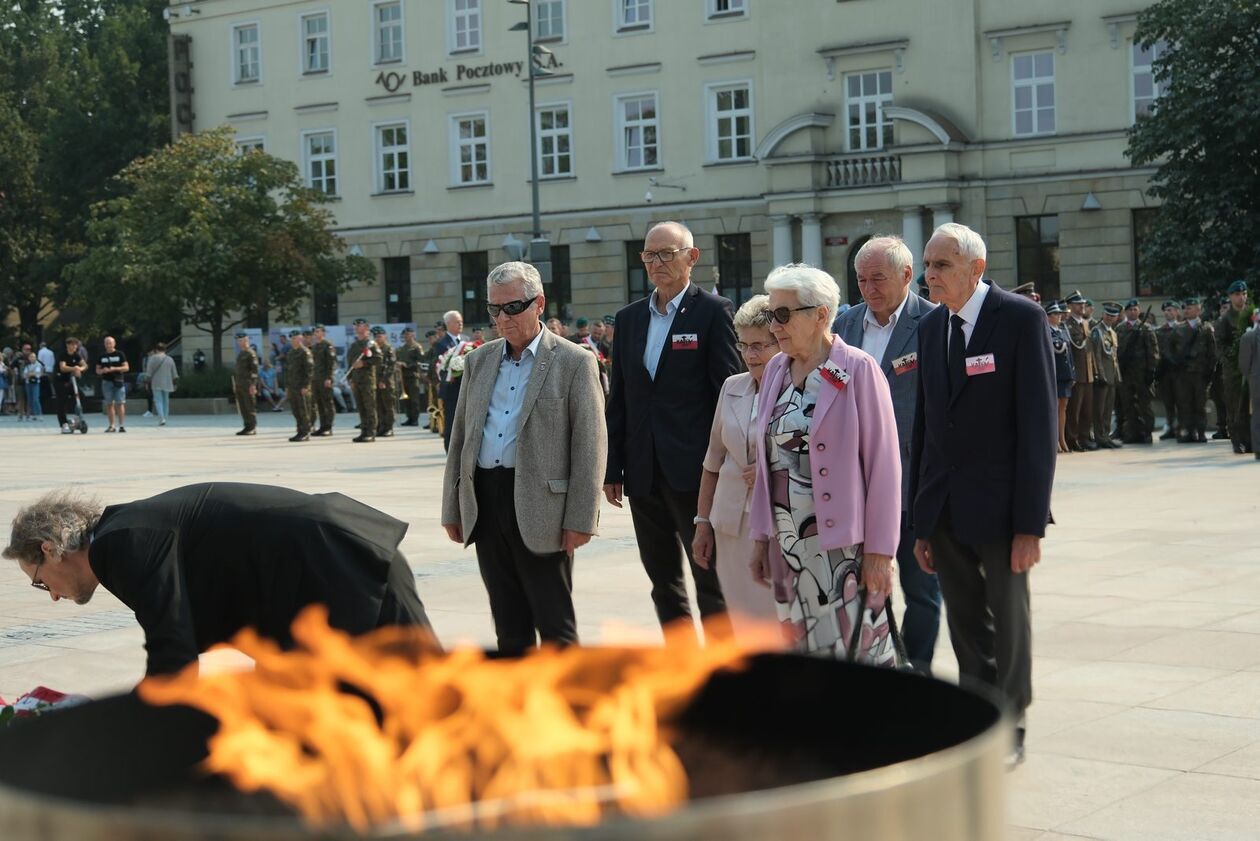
x=886, y=326
x=982, y=461
x=199, y=563
x=448, y=389
x=671, y=353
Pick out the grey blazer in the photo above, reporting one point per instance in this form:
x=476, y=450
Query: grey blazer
x=562, y=443
x=904, y=385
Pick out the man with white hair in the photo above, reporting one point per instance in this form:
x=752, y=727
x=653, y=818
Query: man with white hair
x=886, y=325
x=448, y=389
x=982, y=461
x=528, y=451
x=671, y=354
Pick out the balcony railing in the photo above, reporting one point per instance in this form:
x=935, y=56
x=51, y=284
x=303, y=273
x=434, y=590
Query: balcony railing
x=862, y=170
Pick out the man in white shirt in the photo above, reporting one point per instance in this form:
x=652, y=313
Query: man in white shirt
x=48, y=359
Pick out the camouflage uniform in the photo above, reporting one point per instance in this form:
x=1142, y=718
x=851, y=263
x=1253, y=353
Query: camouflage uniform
x=363, y=384
x=324, y=362
x=1167, y=376
x=385, y=400
x=1139, y=359
x=411, y=355
x=245, y=376
x=1194, y=347
x=297, y=384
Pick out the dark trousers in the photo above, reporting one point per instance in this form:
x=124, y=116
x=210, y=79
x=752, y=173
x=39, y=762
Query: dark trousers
x=401, y=604
x=1135, y=396
x=1104, y=408
x=1216, y=392
x=1236, y=400
x=1191, y=389
x=531, y=595
x=1080, y=415
x=1168, y=396
x=450, y=402
x=662, y=520
x=921, y=621
x=988, y=609
x=65, y=404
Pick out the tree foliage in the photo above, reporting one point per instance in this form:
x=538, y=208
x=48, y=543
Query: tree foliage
x=206, y=235
x=1203, y=135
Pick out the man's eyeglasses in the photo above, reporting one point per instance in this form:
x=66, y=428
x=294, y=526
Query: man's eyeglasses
x=756, y=347
x=39, y=585
x=784, y=314
x=664, y=256
x=510, y=308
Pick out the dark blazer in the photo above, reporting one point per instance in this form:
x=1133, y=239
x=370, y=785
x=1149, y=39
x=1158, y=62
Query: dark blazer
x=988, y=452
x=667, y=420
x=199, y=563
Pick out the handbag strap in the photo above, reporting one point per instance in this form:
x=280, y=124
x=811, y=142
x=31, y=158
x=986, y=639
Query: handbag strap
x=899, y=644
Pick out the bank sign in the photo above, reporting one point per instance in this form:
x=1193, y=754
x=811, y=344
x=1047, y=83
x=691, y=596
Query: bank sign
x=392, y=80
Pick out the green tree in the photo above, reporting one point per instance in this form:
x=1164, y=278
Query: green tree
x=1203, y=136
x=206, y=235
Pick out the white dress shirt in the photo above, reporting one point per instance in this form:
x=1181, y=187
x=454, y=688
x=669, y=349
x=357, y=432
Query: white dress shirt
x=658, y=329
x=498, y=439
x=970, y=312
x=47, y=358
x=875, y=336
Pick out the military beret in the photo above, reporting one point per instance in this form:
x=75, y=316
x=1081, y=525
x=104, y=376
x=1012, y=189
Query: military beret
x=430, y=333
x=1075, y=298
x=1223, y=300
x=1054, y=308
x=1132, y=302
x=1237, y=286
x=242, y=335
x=581, y=322
x=377, y=330
x=407, y=330
x=317, y=327
x=609, y=320
x=1089, y=302
x=1171, y=305
x=439, y=325
x=1190, y=302
x=1025, y=288
x=359, y=321
x=293, y=333
x=308, y=332
x=1111, y=308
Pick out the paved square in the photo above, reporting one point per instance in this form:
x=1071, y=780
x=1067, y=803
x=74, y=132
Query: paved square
x=1146, y=607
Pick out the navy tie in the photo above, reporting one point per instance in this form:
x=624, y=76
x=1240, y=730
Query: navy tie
x=955, y=360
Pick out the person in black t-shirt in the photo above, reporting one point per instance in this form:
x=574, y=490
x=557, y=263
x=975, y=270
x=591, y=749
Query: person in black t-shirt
x=112, y=367
x=70, y=365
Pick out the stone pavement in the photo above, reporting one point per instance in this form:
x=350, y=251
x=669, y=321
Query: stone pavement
x=1146, y=606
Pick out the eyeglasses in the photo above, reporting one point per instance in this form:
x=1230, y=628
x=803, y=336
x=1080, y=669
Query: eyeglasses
x=39, y=585
x=664, y=256
x=755, y=347
x=783, y=314
x=510, y=308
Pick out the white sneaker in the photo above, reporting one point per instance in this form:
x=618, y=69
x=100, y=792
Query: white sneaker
x=148, y=414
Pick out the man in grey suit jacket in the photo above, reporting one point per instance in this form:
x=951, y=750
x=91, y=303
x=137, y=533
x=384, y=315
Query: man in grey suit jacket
x=528, y=451
x=886, y=325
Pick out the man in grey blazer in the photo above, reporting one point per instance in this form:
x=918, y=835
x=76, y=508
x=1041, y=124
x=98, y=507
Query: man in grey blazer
x=528, y=451
x=886, y=325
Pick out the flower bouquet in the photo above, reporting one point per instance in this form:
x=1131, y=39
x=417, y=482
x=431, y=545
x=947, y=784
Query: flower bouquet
x=35, y=703
x=451, y=364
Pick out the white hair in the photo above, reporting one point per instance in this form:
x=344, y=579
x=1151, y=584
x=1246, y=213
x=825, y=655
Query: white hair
x=813, y=287
x=892, y=249
x=754, y=312
x=688, y=241
x=505, y=273
x=970, y=244
x=449, y=314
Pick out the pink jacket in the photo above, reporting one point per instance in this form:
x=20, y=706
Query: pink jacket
x=854, y=456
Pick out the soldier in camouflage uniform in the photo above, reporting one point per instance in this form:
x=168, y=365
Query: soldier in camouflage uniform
x=297, y=384
x=410, y=357
x=324, y=363
x=1139, y=359
x=1194, y=351
x=1167, y=371
x=1228, y=331
x=1107, y=377
x=363, y=361
x=385, y=400
x=429, y=370
x=245, y=383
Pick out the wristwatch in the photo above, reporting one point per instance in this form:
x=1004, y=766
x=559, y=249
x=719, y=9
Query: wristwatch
x=698, y=520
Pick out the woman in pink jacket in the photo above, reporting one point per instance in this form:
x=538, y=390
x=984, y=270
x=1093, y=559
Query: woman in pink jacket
x=825, y=515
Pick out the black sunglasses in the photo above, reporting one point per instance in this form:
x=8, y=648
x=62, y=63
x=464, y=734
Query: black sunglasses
x=783, y=314
x=510, y=308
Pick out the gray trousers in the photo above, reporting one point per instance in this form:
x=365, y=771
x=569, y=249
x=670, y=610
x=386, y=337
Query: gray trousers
x=988, y=610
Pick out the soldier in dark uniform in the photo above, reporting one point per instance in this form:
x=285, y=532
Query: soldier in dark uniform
x=410, y=357
x=1194, y=353
x=324, y=363
x=1080, y=410
x=1167, y=371
x=384, y=383
x=245, y=383
x=1228, y=331
x=1215, y=387
x=1108, y=377
x=1139, y=359
x=1064, y=376
x=363, y=362
x=605, y=342
x=429, y=371
x=297, y=384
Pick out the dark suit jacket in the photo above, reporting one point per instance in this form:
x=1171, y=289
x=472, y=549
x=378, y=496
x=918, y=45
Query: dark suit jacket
x=199, y=563
x=667, y=420
x=989, y=452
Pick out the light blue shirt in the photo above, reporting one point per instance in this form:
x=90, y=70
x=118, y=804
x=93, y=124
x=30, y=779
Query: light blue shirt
x=658, y=329
x=503, y=418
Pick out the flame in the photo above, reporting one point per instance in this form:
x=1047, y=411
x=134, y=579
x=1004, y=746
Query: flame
x=558, y=737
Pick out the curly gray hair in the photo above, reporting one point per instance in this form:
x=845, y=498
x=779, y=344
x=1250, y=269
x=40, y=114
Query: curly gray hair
x=63, y=518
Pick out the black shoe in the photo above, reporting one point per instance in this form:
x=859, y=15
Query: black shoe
x=1185, y=439
x=1112, y=444
x=1239, y=448
x=322, y=432
x=1218, y=435
x=363, y=439
x=358, y=426
x=1201, y=438
x=410, y=423
x=301, y=436
x=385, y=433
x=1015, y=758
x=249, y=430
x=1169, y=435
x=122, y=429
x=1147, y=439
x=1090, y=446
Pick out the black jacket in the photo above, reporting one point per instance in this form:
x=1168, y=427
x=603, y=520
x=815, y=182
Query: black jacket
x=199, y=563
x=989, y=452
x=667, y=420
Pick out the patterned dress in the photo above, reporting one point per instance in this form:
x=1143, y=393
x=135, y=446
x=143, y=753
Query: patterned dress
x=817, y=591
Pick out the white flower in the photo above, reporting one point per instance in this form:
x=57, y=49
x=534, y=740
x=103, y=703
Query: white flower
x=457, y=364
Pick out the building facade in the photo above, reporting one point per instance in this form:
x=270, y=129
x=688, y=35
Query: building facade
x=777, y=131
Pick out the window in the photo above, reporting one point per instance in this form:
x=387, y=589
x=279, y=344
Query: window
x=555, y=142
x=1037, y=244
x=320, y=149
x=247, y=50
x=1034, y=93
x=637, y=132
x=245, y=145
x=393, y=155
x=323, y=305
x=397, y=271
x=559, y=291
x=474, y=266
x=727, y=8
x=548, y=19
x=637, y=285
x=471, y=147
x=1145, y=89
x=387, y=32
x=866, y=94
x=734, y=259
x=1145, y=283
x=315, y=52
x=730, y=122
x=634, y=14
x=465, y=31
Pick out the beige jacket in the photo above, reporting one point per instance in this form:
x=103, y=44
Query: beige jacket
x=731, y=449
x=562, y=443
